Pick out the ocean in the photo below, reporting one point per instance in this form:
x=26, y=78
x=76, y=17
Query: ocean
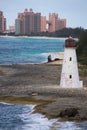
x=20, y=117
x=23, y=50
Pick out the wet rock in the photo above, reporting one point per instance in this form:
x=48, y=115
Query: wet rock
x=56, y=59
x=69, y=112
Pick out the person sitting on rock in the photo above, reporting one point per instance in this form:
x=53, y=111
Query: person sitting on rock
x=49, y=58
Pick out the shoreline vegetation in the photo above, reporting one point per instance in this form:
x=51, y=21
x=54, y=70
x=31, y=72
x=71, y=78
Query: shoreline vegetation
x=65, y=32
x=39, y=84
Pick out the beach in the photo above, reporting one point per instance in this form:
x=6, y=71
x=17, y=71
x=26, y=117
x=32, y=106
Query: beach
x=39, y=84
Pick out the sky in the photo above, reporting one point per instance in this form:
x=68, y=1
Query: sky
x=75, y=11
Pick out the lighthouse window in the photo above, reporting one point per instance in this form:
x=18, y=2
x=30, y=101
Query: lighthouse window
x=70, y=76
x=70, y=59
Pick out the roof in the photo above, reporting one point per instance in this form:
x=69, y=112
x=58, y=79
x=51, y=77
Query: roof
x=70, y=42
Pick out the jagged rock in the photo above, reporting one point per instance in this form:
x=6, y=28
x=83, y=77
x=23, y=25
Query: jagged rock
x=69, y=112
x=56, y=59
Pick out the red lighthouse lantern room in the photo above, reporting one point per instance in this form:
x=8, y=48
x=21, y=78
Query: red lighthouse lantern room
x=70, y=42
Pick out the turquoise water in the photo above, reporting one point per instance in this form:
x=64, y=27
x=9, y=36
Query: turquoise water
x=28, y=50
x=20, y=117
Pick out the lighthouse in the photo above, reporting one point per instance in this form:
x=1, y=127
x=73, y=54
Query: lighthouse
x=70, y=74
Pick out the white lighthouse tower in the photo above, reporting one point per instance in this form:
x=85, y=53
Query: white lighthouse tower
x=69, y=74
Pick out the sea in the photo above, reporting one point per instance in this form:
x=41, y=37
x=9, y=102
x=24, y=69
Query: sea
x=21, y=117
x=28, y=50
x=25, y=50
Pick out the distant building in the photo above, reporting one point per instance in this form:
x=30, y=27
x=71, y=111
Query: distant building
x=61, y=24
x=2, y=22
x=17, y=27
x=37, y=22
x=55, y=23
x=43, y=23
x=19, y=24
x=29, y=22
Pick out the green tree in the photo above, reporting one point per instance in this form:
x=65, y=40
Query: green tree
x=82, y=48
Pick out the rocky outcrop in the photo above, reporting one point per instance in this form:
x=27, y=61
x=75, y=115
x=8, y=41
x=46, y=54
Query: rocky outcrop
x=69, y=112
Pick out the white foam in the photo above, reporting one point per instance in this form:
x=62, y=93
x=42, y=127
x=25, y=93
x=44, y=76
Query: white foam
x=68, y=126
x=35, y=121
x=4, y=103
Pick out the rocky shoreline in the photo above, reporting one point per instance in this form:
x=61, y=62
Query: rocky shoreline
x=39, y=84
